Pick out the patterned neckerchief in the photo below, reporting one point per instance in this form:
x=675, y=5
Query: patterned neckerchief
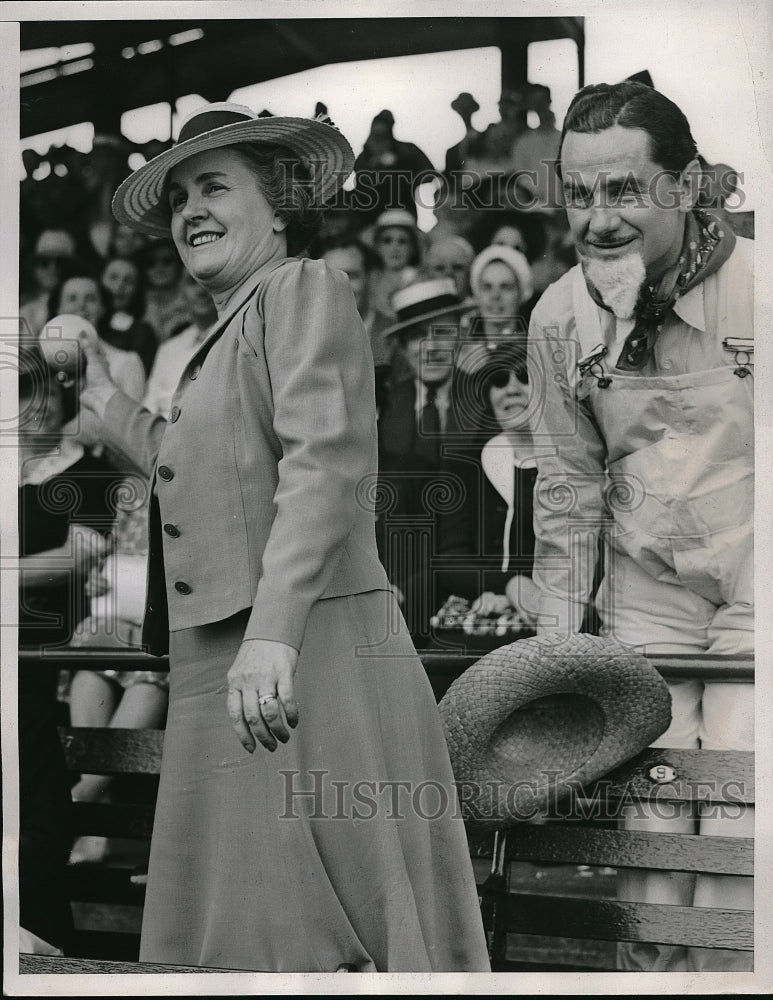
x=707, y=245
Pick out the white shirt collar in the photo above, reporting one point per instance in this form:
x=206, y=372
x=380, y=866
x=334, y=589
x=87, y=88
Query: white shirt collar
x=690, y=308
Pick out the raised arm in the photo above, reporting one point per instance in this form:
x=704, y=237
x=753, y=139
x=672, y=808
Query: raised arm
x=121, y=422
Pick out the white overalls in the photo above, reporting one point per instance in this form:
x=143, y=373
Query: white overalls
x=677, y=444
x=679, y=578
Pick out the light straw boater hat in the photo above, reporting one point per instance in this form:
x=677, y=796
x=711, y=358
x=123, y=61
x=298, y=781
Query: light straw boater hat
x=531, y=720
x=139, y=201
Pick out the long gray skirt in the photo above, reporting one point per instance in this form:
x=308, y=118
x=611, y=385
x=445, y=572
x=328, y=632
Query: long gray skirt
x=345, y=845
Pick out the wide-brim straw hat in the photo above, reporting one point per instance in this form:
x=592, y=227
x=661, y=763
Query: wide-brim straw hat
x=533, y=720
x=139, y=201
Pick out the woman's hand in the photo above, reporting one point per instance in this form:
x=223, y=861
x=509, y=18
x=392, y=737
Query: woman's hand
x=261, y=700
x=490, y=604
x=524, y=594
x=99, y=386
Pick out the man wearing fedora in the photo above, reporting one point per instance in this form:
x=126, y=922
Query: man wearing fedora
x=641, y=357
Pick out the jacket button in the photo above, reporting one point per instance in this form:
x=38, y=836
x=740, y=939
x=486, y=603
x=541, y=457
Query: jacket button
x=174, y=416
x=182, y=587
x=195, y=371
x=172, y=530
x=165, y=473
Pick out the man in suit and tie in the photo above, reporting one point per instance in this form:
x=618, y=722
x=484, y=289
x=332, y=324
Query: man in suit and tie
x=418, y=413
x=421, y=409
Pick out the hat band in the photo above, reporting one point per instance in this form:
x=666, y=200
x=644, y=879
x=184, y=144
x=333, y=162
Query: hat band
x=209, y=120
x=426, y=306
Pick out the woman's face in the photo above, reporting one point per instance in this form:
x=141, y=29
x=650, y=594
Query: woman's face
x=394, y=247
x=499, y=295
x=222, y=224
x=120, y=279
x=80, y=296
x=509, y=236
x=163, y=268
x=509, y=402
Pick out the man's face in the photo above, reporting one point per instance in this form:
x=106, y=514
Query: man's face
x=430, y=348
x=619, y=201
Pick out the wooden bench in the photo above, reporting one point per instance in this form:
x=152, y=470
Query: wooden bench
x=521, y=920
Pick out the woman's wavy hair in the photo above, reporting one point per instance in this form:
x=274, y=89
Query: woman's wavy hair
x=286, y=183
x=634, y=105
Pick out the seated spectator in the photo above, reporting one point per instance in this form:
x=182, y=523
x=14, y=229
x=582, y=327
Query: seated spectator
x=417, y=416
x=491, y=152
x=421, y=409
x=534, y=153
x=509, y=235
x=165, y=306
x=387, y=171
x=397, y=244
x=126, y=699
x=52, y=258
x=82, y=295
x=58, y=492
x=465, y=106
x=126, y=242
x=357, y=262
x=174, y=354
x=124, y=327
x=450, y=257
x=486, y=543
x=503, y=288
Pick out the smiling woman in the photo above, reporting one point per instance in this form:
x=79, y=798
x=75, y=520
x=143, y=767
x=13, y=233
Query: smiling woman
x=265, y=584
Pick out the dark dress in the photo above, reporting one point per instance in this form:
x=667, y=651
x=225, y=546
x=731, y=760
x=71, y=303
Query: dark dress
x=471, y=543
x=47, y=618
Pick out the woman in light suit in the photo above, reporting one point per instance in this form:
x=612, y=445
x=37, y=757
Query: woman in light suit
x=277, y=850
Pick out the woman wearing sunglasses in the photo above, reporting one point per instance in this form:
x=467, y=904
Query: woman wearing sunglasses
x=490, y=531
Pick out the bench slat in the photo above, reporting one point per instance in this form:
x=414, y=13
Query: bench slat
x=97, y=883
x=112, y=751
x=632, y=849
x=706, y=775
x=126, y=821
x=611, y=920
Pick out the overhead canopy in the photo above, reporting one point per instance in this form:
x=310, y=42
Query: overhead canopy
x=229, y=54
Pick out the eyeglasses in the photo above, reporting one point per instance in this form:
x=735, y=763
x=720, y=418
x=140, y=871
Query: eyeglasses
x=498, y=379
x=45, y=260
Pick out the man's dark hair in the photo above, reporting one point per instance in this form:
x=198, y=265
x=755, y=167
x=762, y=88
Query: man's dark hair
x=634, y=105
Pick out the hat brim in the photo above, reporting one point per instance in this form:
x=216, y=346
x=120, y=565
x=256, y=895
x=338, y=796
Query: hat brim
x=533, y=719
x=138, y=201
x=424, y=317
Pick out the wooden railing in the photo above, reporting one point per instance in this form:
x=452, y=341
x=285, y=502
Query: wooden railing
x=510, y=913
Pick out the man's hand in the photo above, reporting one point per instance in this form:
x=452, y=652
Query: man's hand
x=261, y=700
x=524, y=595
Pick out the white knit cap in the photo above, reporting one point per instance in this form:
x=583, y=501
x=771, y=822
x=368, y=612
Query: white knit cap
x=514, y=259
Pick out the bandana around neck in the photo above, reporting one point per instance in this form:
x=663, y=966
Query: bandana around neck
x=707, y=245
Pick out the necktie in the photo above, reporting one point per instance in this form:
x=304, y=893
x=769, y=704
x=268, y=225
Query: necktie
x=428, y=437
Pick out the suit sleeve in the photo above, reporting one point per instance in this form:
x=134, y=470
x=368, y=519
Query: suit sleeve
x=569, y=504
x=322, y=381
x=133, y=432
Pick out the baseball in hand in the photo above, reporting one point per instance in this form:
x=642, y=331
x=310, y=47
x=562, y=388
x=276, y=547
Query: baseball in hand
x=59, y=342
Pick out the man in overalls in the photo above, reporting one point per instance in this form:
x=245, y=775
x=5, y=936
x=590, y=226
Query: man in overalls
x=640, y=358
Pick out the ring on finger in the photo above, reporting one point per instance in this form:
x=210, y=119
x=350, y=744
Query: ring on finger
x=265, y=699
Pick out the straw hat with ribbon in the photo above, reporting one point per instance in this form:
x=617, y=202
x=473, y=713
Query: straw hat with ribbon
x=531, y=720
x=424, y=300
x=139, y=201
